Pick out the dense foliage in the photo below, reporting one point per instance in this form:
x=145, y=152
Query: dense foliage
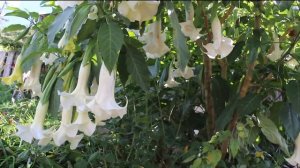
x=181, y=105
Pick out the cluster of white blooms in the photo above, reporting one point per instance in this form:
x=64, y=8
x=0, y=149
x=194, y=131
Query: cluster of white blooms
x=102, y=104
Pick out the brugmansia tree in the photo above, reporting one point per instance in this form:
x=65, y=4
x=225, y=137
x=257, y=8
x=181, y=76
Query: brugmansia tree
x=197, y=83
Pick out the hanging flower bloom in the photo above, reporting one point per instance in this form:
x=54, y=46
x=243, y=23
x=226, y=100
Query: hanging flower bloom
x=93, y=13
x=84, y=123
x=104, y=105
x=36, y=130
x=171, y=81
x=79, y=95
x=221, y=45
x=294, y=160
x=188, y=28
x=138, y=10
x=16, y=75
x=33, y=81
x=48, y=59
x=67, y=131
x=187, y=73
x=65, y=4
x=154, y=39
x=277, y=52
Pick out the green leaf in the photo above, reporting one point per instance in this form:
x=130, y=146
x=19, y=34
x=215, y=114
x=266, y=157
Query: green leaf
x=35, y=48
x=78, y=20
x=58, y=23
x=189, y=159
x=137, y=66
x=293, y=94
x=269, y=129
x=248, y=104
x=121, y=67
x=19, y=13
x=226, y=115
x=197, y=163
x=213, y=157
x=290, y=120
x=236, y=52
x=234, y=146
x=14, y=27
x=22, y=34
x=87, y=30
x=110, y=40
x=253, y=44
x=180, y=43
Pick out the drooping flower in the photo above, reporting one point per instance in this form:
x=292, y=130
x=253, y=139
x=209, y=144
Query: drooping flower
x=84, y=123
x=33, y=81
x=221, y=45
x=170, y=83
x=104, y=105
x=277, y=52
x=65, y=4
x=138, y=10
x=16, y=75
x=93, y=15
x=186, y=74
x=294, y=160
x=67, y=131
x=154, y=39
x=188, y=28
x=36, y=129
x=79, y=95
x=48, y=59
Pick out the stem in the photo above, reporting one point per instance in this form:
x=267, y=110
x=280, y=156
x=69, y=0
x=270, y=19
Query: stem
x=245, y=87
x=211, y=116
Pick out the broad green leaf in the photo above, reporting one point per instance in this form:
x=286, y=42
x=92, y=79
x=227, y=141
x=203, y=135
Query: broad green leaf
x=290, y=120
x=14, y=27
x=213, y=157
x=253, y=44
x=137, y=66
x=269, y=129
x=58, y=23
x=293, y=94
x=180, y=42
x=236, y=52
x=19, y=13
x=189, y=159
x=87, y=30
x=226, y=115
x=34, y=50
x=234, y=146
x=110, y=40
x=220, y=93
x=78, y=20
x=22, y=34
x=121, y=67
x=248, y=104
x=197, y=163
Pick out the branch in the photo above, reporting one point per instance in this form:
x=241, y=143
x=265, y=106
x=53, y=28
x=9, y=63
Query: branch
x=211, y=118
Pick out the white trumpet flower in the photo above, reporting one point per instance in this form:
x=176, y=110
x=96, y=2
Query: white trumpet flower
x=84, y=123
x=67, y=131
x=138, y=10
x=221, y=45
x=170, y=83
x=186, y=74
x=104, y=105
x=154, y=39
x=78, y=97
x=33, y=81
x=188, y=28
x=294, y=160
x=65, y=4
x=48, y=59
x=277, y=52
x=36, y=130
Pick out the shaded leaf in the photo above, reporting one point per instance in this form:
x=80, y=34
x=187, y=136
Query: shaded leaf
x=183, y=54
x=234, y=147
x=137, y=66
x=248, y=104
x=110, y=40
x=290, y=120
x=293, y=94
x=58, y=23
x=78, y=20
